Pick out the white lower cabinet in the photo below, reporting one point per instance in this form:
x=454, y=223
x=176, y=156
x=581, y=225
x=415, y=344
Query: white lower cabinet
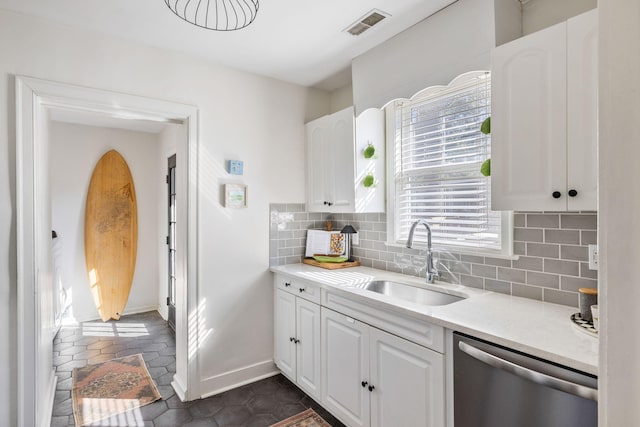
x=297, y=341
x=373, y=378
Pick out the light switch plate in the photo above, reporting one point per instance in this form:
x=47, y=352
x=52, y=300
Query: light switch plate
x=593, y=257
x=235, y=167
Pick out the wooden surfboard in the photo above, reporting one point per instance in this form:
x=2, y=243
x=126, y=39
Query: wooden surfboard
x=111, y=234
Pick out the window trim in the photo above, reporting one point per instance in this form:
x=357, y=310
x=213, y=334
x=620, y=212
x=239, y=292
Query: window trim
x=506, y=220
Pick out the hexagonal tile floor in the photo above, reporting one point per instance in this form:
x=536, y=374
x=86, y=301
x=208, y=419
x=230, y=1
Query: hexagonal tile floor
x=259, y=404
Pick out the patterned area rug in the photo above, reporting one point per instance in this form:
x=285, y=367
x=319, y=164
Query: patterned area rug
x=107, y=389
x=308, y=418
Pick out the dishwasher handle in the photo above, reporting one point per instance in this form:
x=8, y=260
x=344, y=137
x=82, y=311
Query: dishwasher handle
x=529, y=374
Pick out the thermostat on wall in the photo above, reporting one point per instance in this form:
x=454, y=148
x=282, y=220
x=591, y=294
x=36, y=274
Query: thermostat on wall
x=235, y=167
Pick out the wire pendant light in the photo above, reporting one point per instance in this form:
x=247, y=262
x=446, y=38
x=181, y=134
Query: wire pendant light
x=218, y=15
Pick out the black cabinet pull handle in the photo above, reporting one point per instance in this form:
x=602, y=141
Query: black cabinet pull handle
x=573, y=193
x=371, y=388
x=364, y=383
x=287, y=284
x=301, y=290
x=556, y=194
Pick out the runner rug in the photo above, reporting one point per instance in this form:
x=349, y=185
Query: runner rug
x=308, y=418
x=107, y=389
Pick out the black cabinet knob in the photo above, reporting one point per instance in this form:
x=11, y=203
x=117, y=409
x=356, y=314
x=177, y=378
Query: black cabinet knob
x=572, y=193
x=291, y=339
x=325, y=202
x=286, y=285
x=296, y=341
x=301, y=290
x=556, y=194
x=371, y=388
x=364, y=383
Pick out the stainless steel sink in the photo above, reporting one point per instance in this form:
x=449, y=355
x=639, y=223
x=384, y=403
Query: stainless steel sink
x=411, y=293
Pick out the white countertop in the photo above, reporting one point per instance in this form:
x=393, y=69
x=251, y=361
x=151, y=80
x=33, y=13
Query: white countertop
x=538, y=328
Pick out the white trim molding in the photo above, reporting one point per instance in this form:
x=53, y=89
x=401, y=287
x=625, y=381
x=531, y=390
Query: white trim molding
x=238, y=377
x=34, y=99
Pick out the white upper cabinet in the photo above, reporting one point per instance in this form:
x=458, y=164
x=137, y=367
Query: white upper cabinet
x=543, y=125
x=582, y=110
x=337, y=167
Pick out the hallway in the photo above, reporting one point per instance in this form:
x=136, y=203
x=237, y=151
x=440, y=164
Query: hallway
x=259, y=404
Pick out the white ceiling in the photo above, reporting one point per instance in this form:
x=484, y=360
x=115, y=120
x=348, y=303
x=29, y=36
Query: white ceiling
x=298, y=41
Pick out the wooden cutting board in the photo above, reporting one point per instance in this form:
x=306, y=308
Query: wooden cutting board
x=331, y=265
x=111, y=234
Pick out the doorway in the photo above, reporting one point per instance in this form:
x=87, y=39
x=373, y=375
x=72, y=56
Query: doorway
x=171, y=242
x=35, y=100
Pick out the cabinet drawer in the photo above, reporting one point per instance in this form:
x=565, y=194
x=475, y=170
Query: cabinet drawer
x=420, y=332
x=299, y=287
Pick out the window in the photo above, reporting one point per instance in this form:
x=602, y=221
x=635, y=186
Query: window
x=436, y=157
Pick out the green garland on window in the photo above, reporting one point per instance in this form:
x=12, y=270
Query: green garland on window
x=485, y=128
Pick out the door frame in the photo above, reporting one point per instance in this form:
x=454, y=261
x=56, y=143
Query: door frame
x=34, y=99
x=171, y=305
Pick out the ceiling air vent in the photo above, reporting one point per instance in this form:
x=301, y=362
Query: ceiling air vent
x=366, y=22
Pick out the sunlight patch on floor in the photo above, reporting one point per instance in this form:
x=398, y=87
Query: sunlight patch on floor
x=112, y=329
x=127, y=412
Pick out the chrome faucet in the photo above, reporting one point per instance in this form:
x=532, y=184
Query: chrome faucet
x=432, y=271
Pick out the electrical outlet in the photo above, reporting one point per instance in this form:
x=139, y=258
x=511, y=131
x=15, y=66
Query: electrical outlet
x=593, y=257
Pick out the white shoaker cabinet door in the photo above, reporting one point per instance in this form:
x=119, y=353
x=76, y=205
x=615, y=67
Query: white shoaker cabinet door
x=330, y=163
x=317, y=162
x=529, y=125
x=340, y=165
x=336, y=166
x=582, y=111
x=308, y=347
x=544, y=119
x=345, y=366
x=408, y=381
x=285, y=329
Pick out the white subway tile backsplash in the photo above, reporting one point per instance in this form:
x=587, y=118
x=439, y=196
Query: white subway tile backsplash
x=552, y=249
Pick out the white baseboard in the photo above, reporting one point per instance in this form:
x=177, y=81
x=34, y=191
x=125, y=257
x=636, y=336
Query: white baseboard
x=127, y=311
x=179, y=388
x=238, y=377
x=47, y=410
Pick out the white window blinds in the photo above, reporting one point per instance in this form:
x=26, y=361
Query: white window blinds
x=438, y=153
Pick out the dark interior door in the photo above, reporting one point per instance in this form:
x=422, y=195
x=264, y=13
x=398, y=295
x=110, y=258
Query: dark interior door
x=171, y=241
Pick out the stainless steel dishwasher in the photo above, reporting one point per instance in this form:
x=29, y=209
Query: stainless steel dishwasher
x=497, y=387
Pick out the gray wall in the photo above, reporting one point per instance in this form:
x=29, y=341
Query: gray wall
x=552, y=249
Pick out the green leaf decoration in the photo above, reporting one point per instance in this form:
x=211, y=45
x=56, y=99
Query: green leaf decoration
x=368, y=181
x=369, y=151
x=485, y=169
x=486, y=126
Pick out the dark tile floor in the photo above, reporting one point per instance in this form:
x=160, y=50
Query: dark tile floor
x=259, y=404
